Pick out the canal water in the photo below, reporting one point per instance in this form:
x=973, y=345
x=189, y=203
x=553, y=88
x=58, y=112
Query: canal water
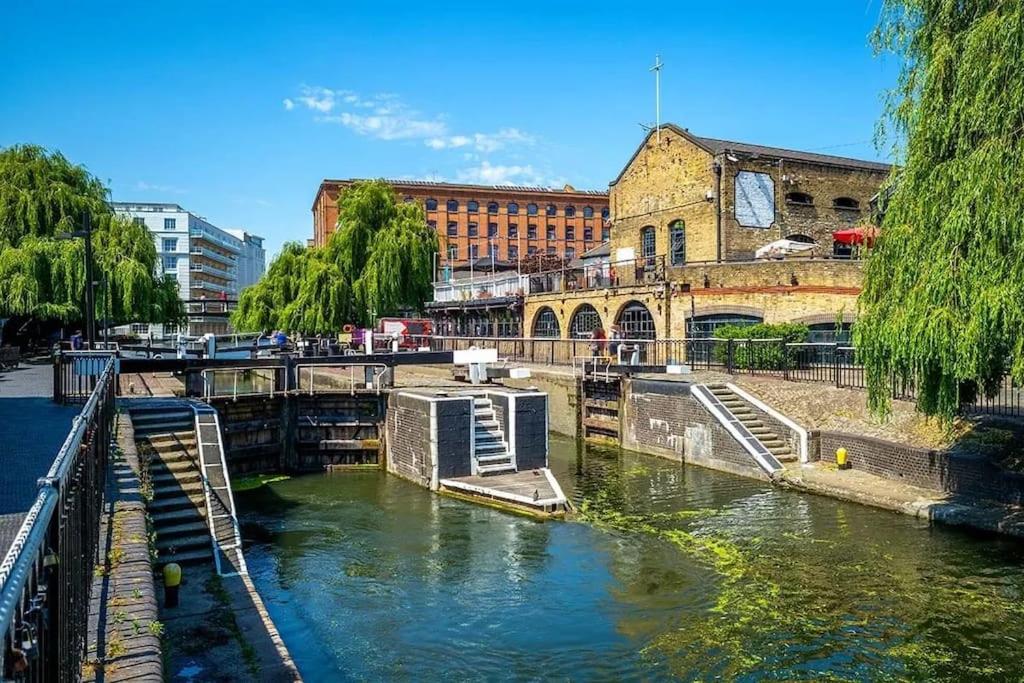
x=667, y=572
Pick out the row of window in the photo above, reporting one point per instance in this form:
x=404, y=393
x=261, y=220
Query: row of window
x=513, y=208
x=473, y=230
x=169, y=223
x=676, y=241
x=512, y=252
x=804, y=199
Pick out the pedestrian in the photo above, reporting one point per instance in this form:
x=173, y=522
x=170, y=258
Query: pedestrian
x=616, y=341
x=598, y=341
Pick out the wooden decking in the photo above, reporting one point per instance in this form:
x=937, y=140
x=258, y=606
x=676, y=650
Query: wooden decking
x=536, y=490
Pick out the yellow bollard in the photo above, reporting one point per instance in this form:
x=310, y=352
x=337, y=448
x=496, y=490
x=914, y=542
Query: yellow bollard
x=841, y=459
x=172, y=580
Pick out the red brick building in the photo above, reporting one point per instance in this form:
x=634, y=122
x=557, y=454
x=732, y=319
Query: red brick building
x=472, y=220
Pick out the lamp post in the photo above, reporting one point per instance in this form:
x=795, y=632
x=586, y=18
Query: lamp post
x=90, y=305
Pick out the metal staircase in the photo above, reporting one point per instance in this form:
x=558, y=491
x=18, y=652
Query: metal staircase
x=490, y=449
x=224, y=531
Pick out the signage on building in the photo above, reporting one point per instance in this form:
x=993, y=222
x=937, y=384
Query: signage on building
x=755, y=199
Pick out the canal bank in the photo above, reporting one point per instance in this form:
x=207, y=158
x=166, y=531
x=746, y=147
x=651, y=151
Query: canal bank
x=670, y=570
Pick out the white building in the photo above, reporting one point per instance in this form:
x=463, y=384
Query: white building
x=204, y=259
x=252, y=262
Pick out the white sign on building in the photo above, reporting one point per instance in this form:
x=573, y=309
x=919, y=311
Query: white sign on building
x=755, y=199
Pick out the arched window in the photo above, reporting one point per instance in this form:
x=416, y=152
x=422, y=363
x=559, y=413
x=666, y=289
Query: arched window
x=635, y=321
x=799, y=199
x=570, y=211
x=585, y=320
x=605, y=213
x=588, y=212
x=704, y=326
x=472, y=206
x=677, y=242
x=453, y=204
x=830, y=333
x=513, y=208
x=492, y=207
x=531, y=209
x=546, y=324
x=551, y=210
x=846, y=203
x=647, y=242
x=431, y=204
x=801, y=238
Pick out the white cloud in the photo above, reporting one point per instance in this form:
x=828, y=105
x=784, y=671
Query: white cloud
x=143, y=186
x=288, y=103
x=482, y=142
x=499, y=174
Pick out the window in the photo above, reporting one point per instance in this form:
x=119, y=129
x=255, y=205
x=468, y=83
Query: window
x=551, y=210
x=830, y=333
x=606, y=234
x=588, y=234
x=170, y=244
x=453, y=252
x=531, y=232
x=551, y=251
x=472, y=207
x=636, y=321
x=570, y=211
x=141, y=222
x=704, y=326
x=647, y=242
x=799, y=199
x=492, y=207
x=531, y=209
x=492, y=250
x=139, y=328
x=846, y=203
x=570, y=252
x=474, y=251
x=453, y=204
x=431, y=205
x=170, y=223
x=551, y=232
x=513, y=252
x=453, y=229
x=513, y=208
x=492, y=229
x=472, y=229
x=588, y=212
x=584, y=321
x=677, y=242
x=605, y=213
x=530, y=251
x=170, y=262
x=546, y=324
x=513, y=230
x=432, y=225
x=570, y=233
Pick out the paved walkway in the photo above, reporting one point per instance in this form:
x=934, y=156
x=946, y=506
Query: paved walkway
x=32, y=430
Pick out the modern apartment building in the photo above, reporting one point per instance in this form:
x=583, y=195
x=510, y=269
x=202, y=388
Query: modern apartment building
x=208, y=263
x=252, y=261
x=510, y=223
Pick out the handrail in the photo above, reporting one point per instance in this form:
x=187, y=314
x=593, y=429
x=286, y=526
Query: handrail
x=380, y=369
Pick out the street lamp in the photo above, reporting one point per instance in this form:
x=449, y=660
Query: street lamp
x=90, y=309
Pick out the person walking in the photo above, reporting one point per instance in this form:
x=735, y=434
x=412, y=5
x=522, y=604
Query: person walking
x=598, y=341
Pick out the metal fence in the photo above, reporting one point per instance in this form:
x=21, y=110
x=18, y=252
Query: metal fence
x=76, y=374
x=826, y=363
x=46, y=576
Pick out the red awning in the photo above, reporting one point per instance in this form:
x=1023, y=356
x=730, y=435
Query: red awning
x=862, y=234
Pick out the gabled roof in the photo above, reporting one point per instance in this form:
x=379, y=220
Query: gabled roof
x=716, y=146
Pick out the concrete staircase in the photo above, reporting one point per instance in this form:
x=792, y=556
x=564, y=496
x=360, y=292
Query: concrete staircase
x=489, y=445
x=776, y=444
x=178, y=508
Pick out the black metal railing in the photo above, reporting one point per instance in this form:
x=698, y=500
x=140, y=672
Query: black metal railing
x=46, y=576
x=76, y=374
x=639, y=271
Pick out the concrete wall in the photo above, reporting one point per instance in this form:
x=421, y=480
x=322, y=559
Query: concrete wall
x=531, y=435
x=958, y=473
x=408, y=438
x=661, y=418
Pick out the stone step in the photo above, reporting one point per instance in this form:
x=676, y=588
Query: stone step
x=486, y=424
x=176, y=465
x=188, y=528
x=160, y=428
x=485, y=470
x=481, y=401
x=181, y=476
x=489, y=448
x=188, y=557
x=182, y=542
x=178, y=487
x=487, y=437
x=172, y=517
x=481, y=415
x=180, y=502
x=492, y=459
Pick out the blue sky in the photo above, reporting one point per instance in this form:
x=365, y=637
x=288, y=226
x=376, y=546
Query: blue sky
x=238, y=110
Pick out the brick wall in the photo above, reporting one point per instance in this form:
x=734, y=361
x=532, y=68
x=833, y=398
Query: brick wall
x=958, y=473
x=531, y=431
x=662, y=418
x=408, y=438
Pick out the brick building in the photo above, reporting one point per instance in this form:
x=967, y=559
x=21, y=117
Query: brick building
x=687, y=216
x=471, y=220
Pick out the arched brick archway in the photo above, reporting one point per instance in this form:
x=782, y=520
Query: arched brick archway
x=584, y=319
x=636, y=321
x=545, y=324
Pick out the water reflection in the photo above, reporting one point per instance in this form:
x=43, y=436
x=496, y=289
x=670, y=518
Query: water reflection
x=673, y=571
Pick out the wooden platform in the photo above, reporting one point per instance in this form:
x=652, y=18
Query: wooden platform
x=536, y=490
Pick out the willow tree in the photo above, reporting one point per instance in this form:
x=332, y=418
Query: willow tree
x=42, y=196
x=943, y=299
x=378, y=262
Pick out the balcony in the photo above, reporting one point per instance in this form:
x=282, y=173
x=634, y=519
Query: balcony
x=206, y=252
x=504, y=287
x=212, y=270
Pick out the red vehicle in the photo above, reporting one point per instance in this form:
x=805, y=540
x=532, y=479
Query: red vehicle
x=413, y=332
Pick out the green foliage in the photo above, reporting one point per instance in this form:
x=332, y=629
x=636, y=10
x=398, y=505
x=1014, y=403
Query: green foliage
x=43, y=195
x=788, y=332
x=759, y=355
x=378, y=262
x=941, y=305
